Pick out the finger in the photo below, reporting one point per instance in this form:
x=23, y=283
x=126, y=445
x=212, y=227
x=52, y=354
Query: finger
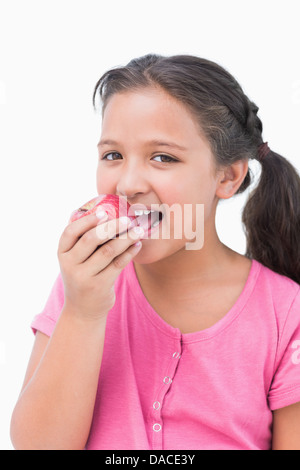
x=74, y=231
x=112, y=228
x=97, y=236
x=110, y=252
x=120, y=262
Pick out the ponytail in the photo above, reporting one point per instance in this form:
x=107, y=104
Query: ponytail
x=271, y=217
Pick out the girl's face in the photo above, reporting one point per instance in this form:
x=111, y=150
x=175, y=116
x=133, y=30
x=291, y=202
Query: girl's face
x=151, y=151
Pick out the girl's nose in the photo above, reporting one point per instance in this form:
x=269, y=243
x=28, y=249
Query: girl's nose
x=132, y=182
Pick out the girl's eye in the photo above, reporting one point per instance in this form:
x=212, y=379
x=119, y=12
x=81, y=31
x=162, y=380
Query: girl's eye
x=112, y=156
x=109, y=154
x=166, y=158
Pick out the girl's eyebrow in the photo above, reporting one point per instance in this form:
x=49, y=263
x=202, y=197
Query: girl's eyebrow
x=148, y=143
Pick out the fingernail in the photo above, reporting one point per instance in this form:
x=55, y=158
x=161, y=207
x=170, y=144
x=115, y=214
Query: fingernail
x=101, y=214
x=124, y=220
x=139, y=230
x=137, y=244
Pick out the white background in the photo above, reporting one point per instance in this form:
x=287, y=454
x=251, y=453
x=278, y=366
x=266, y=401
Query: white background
x=51, y=55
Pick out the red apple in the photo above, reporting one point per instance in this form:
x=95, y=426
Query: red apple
x=117, y=207
x=113, y=205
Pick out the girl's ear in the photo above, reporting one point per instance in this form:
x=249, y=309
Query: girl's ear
x=231, y=178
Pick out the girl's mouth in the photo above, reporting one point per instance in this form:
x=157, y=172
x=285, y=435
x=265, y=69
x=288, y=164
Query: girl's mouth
x=149, y=220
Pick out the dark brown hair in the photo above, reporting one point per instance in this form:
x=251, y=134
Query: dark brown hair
x=271, y=216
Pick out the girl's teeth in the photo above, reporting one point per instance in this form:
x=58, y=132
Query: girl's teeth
x=138, y=212
x=141, y=212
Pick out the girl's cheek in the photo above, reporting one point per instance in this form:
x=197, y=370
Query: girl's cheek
x=104, y=183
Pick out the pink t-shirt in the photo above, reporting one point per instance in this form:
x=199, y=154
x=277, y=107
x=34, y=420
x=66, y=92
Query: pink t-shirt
x=213, y=389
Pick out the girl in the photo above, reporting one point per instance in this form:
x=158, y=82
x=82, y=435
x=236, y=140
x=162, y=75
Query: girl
x=153, y=346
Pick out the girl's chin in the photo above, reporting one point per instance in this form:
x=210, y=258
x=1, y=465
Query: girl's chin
x=157, y=250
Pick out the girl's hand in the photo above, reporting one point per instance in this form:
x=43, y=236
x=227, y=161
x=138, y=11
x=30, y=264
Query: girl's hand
x=91, y=259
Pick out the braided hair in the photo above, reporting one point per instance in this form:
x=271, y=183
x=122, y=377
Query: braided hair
x=229, y=120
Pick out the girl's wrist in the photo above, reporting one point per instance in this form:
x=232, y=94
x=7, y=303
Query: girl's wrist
x=76, y=315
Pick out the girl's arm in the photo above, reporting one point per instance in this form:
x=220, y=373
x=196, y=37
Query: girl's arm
x=55, y=408
x=286, y=428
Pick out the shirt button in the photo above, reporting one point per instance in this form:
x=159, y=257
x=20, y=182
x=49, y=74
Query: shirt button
x=156, y=405
x=167, y=380
x=156, y=427
x=176, y=355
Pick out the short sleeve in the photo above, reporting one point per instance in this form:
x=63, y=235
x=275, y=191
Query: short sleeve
x=285, y=388
x=46, y=320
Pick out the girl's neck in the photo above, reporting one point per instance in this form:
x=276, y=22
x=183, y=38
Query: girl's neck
x=193, y=293
x=188, y=267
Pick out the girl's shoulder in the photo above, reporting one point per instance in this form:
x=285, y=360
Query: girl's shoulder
x=275, y=281
x=278, y=293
